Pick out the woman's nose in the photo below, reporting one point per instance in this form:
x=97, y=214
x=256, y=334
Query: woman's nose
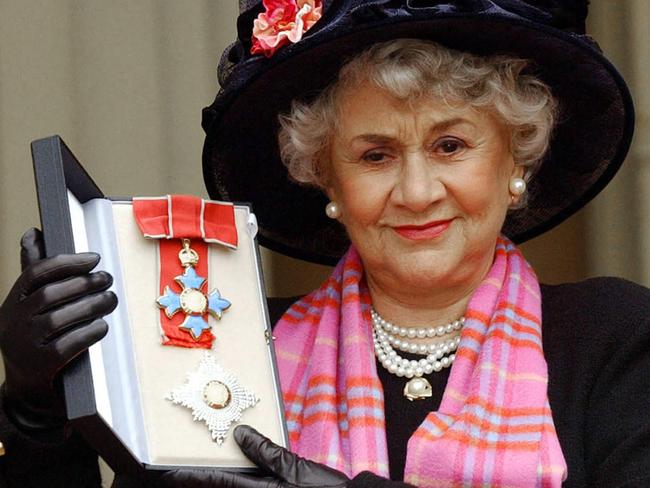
x=418, y=185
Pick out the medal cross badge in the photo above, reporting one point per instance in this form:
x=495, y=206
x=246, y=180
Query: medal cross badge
x=192, y=301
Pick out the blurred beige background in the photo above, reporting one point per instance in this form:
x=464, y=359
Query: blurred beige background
x=124, y=82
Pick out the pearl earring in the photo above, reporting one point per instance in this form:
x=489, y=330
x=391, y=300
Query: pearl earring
x=332, y=210
x=517, y=186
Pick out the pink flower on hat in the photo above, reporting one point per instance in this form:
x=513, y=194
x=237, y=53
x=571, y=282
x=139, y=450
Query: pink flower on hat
x=283, y=21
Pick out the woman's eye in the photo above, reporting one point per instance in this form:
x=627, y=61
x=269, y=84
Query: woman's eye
x=374, y=157
x=449, y=146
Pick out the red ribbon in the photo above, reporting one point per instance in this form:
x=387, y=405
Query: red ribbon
x=170, y=219
x=178, y=216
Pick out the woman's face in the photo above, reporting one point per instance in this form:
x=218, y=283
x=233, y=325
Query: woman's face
x=422, y=187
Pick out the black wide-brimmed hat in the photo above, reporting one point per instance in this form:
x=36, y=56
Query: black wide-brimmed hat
x=241, y=160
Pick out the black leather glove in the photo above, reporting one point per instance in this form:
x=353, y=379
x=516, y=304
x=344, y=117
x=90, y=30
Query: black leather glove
x=52, y=313
x=285, y=469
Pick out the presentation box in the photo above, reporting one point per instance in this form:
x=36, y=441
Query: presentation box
x=119, y=393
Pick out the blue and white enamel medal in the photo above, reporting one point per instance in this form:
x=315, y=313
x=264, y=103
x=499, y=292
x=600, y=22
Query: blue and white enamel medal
x=192, y=300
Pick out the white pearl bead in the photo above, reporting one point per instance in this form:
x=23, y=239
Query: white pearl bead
x=421, y=333
x=517, y=186
x=419, y=371
x=417, y=387
x=437, y=366
x=403, y=332
x=393, y=368
x=422, y=349
x=332, y=210
x=400, y=371
x=431, y=331
x=445, y=362
x=412, y=333
x=440, y=330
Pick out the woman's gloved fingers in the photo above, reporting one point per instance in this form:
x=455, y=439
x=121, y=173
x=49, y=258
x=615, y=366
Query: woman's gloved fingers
x=49, y=317
x=214, y=479
x=55, y=294
x=263, y=452
x=57, y=268
x=74, y=342
x=283, y=463
x=71, y=315
x=32, y=247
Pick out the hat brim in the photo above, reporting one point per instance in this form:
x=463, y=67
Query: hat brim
x=241, y=159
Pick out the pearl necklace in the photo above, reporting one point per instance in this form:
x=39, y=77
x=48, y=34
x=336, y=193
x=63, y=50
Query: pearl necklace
x=419, y=332
x=438, y=356
x=386, y=331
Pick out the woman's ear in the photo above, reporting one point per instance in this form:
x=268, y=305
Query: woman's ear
x=328, y=184
x=330, y=192
x=518, y=171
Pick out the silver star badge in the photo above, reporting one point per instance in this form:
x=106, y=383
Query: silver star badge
x=215, y=397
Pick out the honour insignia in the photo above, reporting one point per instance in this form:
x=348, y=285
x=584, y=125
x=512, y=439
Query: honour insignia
x=192, y=301
x=215, y=397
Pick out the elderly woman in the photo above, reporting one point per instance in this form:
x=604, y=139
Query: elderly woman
x=432, y=354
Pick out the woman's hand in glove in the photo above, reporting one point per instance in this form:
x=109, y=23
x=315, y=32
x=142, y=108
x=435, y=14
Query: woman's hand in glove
x=52, y=314
x=285, y=469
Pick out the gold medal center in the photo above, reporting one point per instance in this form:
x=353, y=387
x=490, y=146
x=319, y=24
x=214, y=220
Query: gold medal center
x=193, y=301
x=216, y=395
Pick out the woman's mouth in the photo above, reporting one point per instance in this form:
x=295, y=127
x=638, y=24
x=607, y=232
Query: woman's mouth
x=430, y=230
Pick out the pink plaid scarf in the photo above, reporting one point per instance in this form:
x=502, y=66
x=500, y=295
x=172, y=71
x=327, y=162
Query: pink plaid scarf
x=494, y=425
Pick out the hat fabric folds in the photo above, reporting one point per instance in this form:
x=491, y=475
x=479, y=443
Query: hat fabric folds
x=241, y=159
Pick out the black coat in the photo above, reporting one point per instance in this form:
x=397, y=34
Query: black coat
x=596, y=337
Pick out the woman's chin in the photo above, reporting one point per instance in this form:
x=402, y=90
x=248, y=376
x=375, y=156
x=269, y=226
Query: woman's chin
x=420, y=268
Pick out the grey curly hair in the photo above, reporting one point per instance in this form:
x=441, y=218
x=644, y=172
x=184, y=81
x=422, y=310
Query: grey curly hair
x=409, y=69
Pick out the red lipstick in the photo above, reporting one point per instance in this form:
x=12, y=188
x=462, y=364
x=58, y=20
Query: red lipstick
x=429, y=230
